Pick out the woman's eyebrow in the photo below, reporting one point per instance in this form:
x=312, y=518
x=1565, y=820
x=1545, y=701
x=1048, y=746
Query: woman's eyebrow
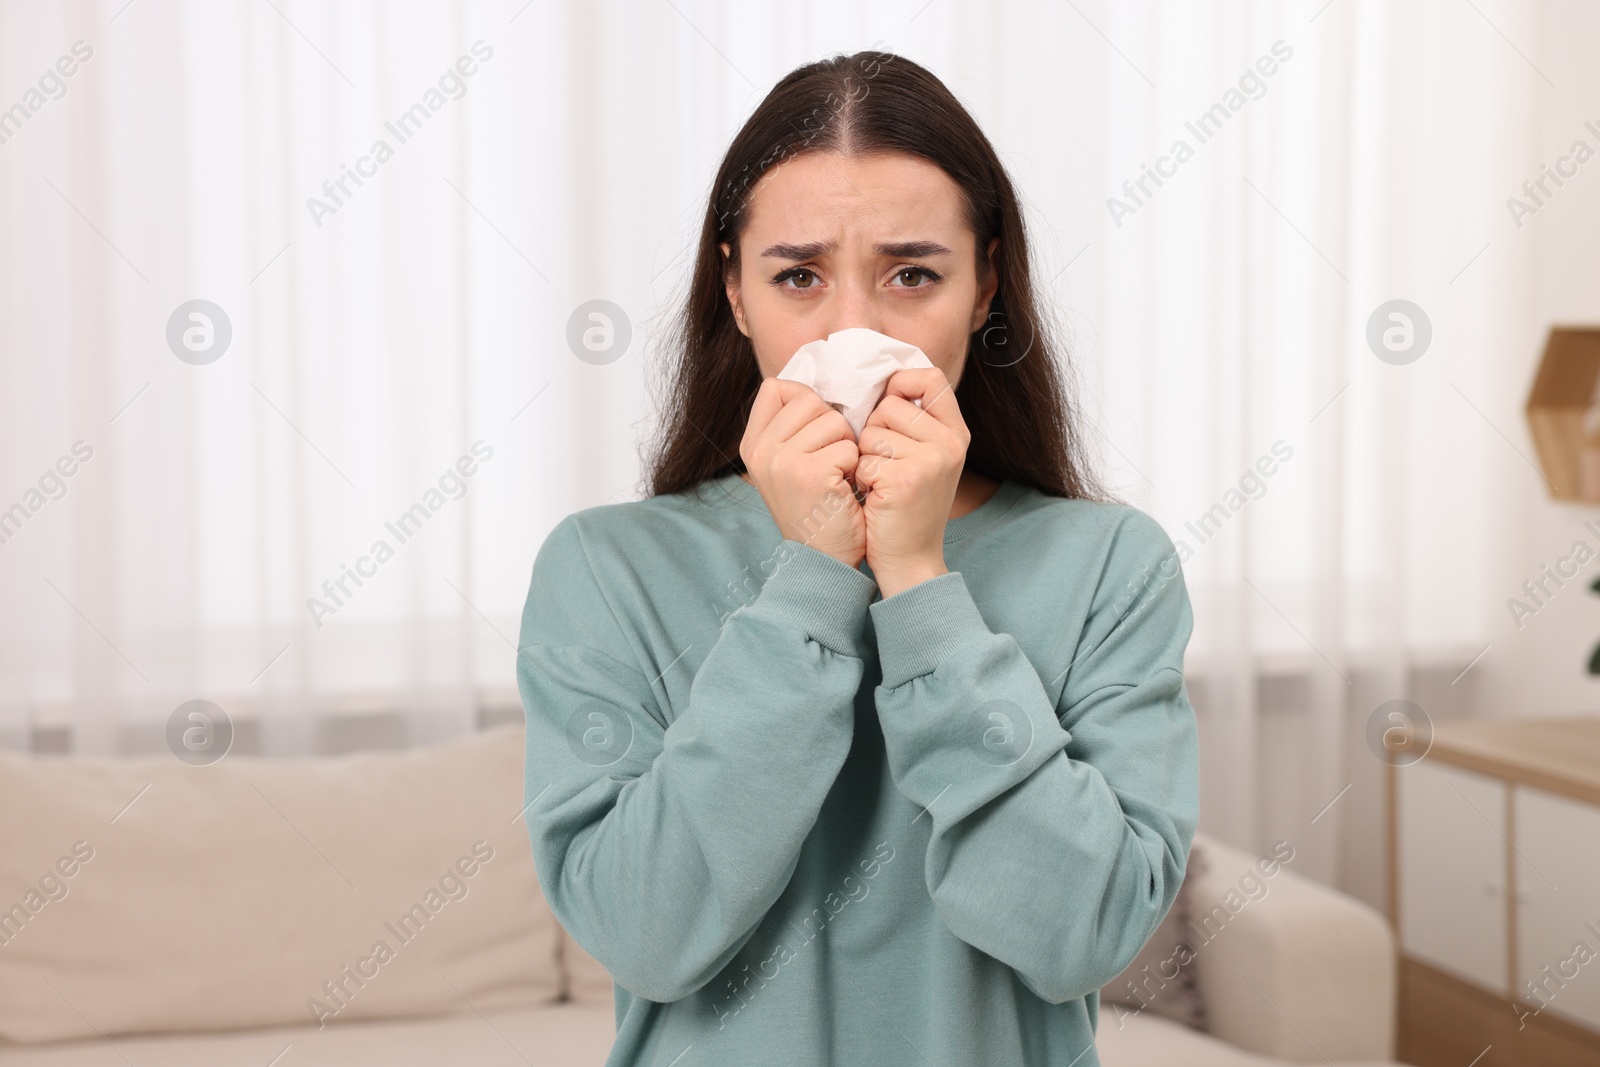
x=798, y=252
x=899, y=249
x=911, y=249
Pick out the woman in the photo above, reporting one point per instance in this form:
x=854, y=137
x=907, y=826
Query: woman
x=860, y=752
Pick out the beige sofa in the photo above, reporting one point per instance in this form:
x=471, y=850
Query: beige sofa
x=382, y=908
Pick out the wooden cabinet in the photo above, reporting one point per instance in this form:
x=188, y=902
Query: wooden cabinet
x=1558, y=904
x=1494, y=851
x=1452, y=873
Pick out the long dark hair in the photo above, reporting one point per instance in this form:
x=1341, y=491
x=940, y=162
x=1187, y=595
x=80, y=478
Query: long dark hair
x=1024, y=423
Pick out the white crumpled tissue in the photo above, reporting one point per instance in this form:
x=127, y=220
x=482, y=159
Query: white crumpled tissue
x=850, y=370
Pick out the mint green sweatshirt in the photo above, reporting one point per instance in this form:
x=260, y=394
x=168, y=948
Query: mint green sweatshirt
x=802, y=824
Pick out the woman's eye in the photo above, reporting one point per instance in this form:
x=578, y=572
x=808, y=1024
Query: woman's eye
x=796, y=273
x=915, y=277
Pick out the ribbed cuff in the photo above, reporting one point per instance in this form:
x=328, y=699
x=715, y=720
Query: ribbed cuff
x=919, y=627
x=826, y=596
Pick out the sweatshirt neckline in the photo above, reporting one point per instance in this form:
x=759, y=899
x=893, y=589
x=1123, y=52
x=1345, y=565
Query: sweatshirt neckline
x=1000, y=501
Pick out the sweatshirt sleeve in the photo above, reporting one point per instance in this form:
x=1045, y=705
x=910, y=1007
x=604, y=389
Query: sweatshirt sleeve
x=660, y=846
x=1060, y=829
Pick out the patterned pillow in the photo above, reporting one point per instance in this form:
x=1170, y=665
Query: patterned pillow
x=1162, y=977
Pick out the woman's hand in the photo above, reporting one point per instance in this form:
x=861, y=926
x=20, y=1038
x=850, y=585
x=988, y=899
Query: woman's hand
x=800, y=453
x=911, y=462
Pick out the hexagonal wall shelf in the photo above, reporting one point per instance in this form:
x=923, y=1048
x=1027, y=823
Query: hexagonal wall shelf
x=1564, y=413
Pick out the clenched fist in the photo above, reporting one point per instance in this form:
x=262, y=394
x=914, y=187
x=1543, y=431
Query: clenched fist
x=800, y=453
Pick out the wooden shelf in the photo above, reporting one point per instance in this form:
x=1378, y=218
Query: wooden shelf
x=1558, y=755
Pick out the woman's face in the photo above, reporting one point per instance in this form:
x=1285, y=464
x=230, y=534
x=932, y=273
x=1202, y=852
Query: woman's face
x=880, y=241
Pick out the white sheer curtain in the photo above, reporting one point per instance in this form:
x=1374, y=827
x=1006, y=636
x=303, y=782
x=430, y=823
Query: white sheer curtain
x=381, y=331
x=1230, y=315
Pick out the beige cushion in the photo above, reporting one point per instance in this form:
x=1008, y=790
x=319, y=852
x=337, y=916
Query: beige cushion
x=553, y=1035
x=225, y=896
x=1299, y=971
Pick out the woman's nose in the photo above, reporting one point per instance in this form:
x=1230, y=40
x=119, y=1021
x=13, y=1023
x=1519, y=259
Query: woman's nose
x=853, y=305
